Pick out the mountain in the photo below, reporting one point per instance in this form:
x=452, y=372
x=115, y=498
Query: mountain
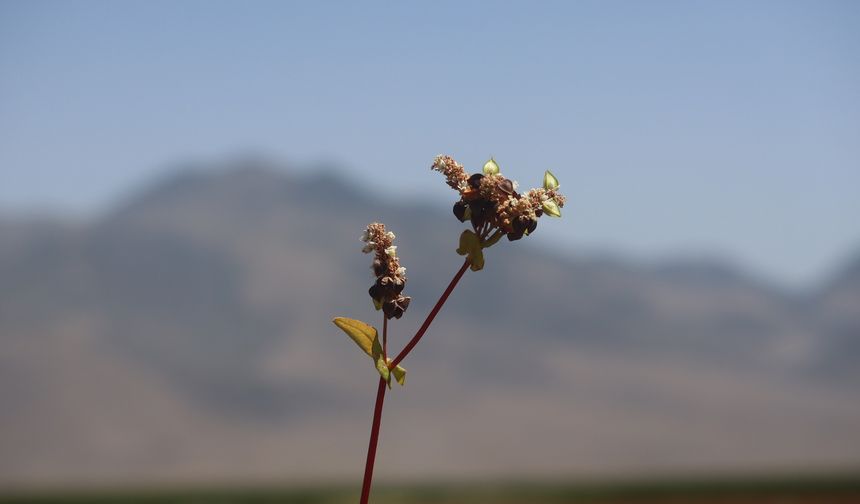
x=185, y=335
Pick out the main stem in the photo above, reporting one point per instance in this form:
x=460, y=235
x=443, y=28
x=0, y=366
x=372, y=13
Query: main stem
x=374, y=438
x=380, y=390
x=377, y=421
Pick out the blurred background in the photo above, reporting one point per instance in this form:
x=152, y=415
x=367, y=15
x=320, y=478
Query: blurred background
x=183, y=186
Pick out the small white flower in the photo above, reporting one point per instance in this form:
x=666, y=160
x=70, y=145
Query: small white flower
x=365, y=236
x=401, y=271
x=391, y=251
x=368, y=248
x=390, y=235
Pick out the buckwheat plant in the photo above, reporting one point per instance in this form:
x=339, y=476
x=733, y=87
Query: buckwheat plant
x=493, y=207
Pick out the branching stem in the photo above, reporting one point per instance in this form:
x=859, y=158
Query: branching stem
x=414, y=341
x=380, y=391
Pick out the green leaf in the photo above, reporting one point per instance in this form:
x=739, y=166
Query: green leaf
x=470, y=246
x=364, y=335
x=399, y=373
x=476, y=258
x=551, y=208
x=490, y=167
x=549, y=181
x=376, y=349
x=377, y=304
x=382, y=367
x=469, y=241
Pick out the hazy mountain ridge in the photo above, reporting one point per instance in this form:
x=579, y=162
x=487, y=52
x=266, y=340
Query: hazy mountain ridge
x=186, y=333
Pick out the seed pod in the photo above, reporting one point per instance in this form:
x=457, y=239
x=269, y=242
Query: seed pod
x=396, y=307
x=460, y=210
x=475, y=180
x=551, y=208
x=376, y=292
x=480, y=210
x=519, y=229
x=490, y=167
x=506, y=186
x=549, y=181
x=379, y=268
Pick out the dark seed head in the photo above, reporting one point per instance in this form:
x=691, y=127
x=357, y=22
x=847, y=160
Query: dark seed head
x=506, y=186
x=480, y=209
x=376, y=292
x=388, y=287
x=460, y=211
x=515, y=235
x=475, y=180
x=518, y=225
x=396, y=307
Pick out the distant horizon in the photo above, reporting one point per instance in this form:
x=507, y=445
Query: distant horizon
x=288, y=169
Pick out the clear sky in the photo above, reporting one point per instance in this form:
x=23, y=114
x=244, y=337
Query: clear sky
x=729, y=128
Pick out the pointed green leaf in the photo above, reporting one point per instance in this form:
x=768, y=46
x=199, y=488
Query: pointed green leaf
x=549, y=181
x=399, y=373
x=375, y=349
x=490, y=167
x=377, y=304
x=382, y=367
x=363, y=334
x=551, y=208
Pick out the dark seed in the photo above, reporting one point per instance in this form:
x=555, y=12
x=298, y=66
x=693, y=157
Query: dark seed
x=404, y=301
x=515, y=235
x=389, y=308
x=479, y=210
x=475, y=180
x=506, y=186
x=460, y=211
x=376, y=292
x=396, y=307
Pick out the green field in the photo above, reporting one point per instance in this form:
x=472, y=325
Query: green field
x=783, y=491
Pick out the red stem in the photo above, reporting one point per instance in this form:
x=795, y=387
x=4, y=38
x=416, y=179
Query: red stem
x=380, y=391
x=414, y=341
x=385, y=337
x=374, y=438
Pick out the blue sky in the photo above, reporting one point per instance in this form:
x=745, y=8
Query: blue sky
x=724, y=128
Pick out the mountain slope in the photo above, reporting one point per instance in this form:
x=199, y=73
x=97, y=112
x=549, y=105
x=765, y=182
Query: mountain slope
x=187, y=335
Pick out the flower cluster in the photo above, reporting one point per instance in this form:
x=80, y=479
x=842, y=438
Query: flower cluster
x=454, y=173
x=493, y=205
x=390, y=276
